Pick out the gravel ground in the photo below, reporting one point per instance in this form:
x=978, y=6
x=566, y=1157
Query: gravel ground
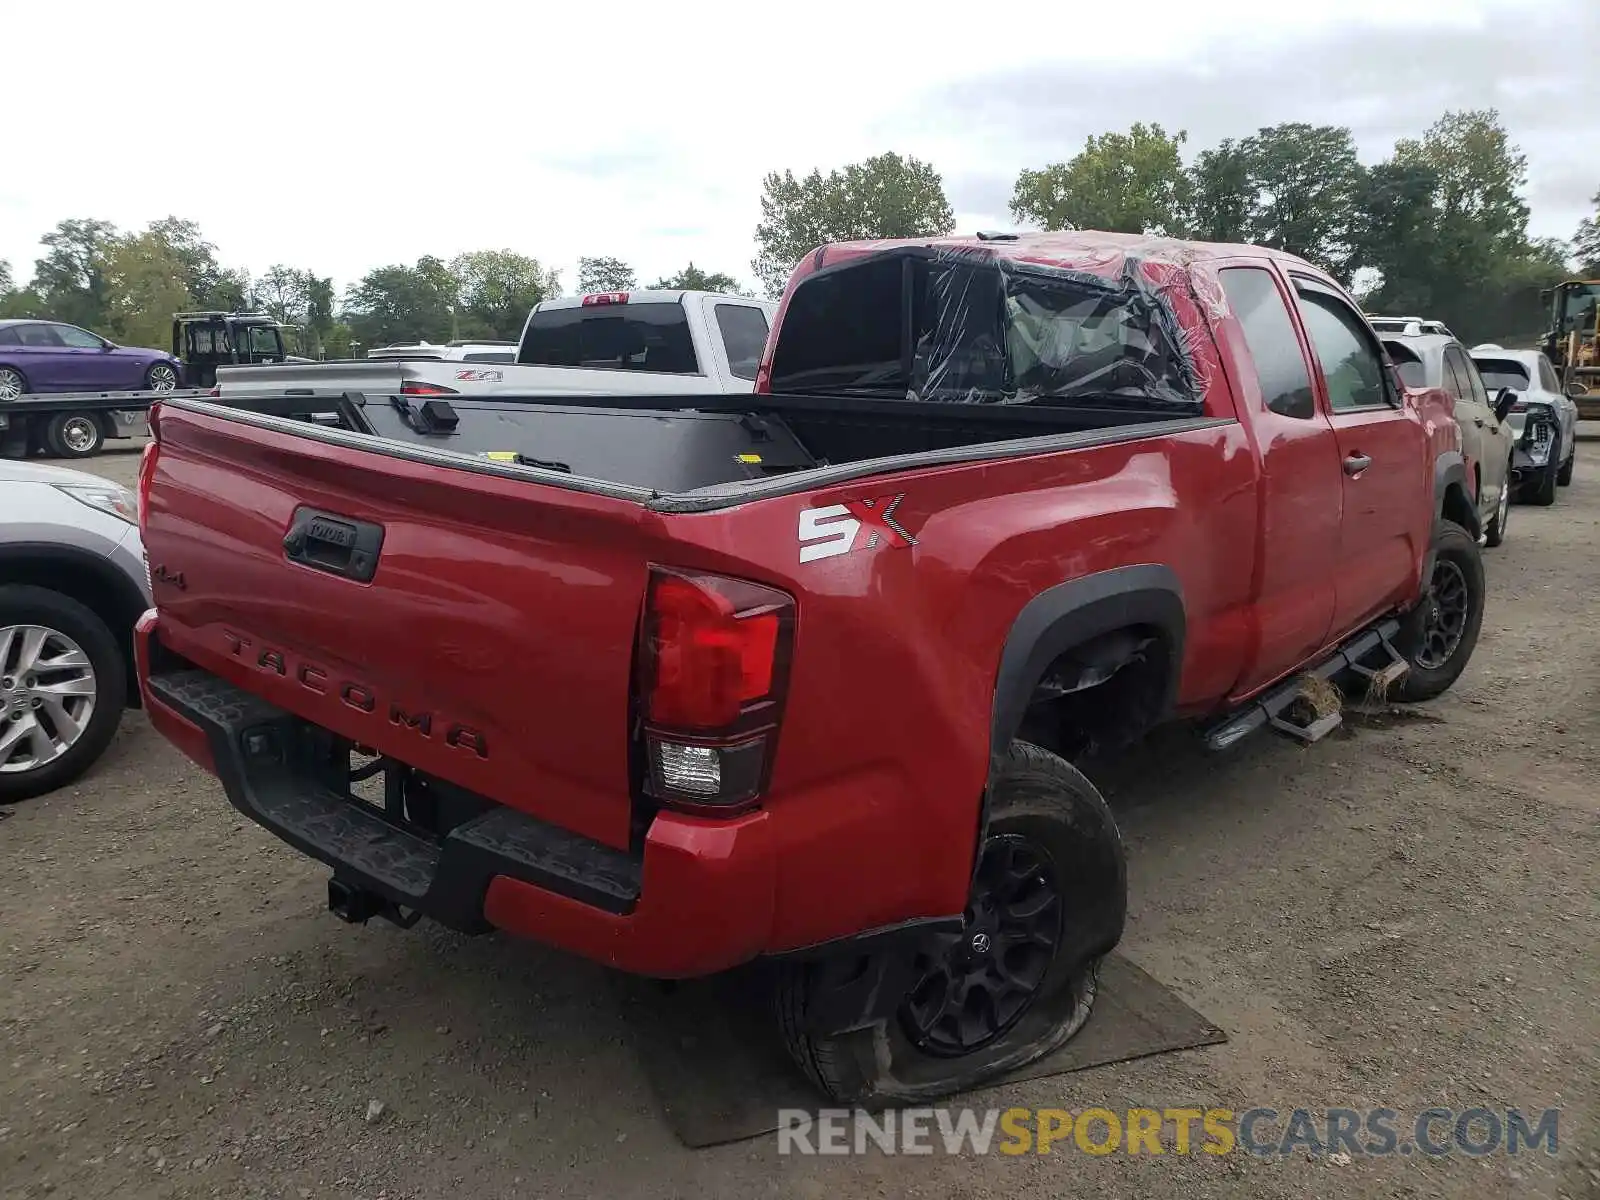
x=1401, y=916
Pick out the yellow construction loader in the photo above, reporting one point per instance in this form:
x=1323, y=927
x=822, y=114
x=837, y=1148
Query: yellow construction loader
x=1572, y=342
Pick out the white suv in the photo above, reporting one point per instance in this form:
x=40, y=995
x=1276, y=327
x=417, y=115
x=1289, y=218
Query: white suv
x=73, y=581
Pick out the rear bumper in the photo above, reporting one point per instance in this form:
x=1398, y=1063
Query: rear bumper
x=697, y=899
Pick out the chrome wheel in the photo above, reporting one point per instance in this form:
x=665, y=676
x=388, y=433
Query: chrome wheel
x=47, y=696
x=1503, y=509
x=1448, y=604
x=163, y=378
x=10, y=384
x=79, y=434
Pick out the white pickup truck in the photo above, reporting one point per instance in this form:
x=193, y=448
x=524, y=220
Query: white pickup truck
x=646, y=342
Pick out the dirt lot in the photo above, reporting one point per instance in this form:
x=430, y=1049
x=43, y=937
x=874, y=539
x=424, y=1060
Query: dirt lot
x=1400, y=916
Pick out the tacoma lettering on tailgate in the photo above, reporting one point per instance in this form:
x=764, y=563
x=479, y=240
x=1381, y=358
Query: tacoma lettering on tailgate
x=352, y=693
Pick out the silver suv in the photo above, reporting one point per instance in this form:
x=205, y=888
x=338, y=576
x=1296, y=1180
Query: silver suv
x=73, y=581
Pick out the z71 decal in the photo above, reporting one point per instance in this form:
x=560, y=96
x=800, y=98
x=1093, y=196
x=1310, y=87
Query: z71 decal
x=836, y=529
x=479, y=375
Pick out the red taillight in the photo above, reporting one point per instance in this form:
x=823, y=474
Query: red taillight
x=413, y=388
x=605, y=298
x=1520, y=406
x=714, y=662
x=216, y=390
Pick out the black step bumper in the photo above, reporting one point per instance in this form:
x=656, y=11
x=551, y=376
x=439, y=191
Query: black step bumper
x=258, y=755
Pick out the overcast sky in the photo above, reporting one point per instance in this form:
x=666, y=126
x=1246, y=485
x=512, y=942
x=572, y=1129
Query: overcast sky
x=301, y=133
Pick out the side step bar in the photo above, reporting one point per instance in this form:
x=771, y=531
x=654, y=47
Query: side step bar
x=1272, y=710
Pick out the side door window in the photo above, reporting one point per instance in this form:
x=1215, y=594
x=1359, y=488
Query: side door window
x=38, y=337
x=1269, y=333
x=1455, y=381
x=744, y=337
x=1352, y=364
x=1547, y=375
x=77, y=339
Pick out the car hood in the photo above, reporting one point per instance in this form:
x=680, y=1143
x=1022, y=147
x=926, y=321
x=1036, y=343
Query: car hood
x=26, y=472
x=142, y=350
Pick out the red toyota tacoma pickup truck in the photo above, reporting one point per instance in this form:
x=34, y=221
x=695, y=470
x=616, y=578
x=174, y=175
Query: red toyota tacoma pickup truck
x=678, y=683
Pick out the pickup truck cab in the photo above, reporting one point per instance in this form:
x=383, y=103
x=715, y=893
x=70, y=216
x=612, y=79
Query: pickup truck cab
x=682, y=682
x=643, y=342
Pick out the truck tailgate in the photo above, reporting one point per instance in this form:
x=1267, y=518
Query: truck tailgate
x=488, y=640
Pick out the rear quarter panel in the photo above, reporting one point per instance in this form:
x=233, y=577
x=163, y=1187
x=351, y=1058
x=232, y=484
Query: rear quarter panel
x=884, y=751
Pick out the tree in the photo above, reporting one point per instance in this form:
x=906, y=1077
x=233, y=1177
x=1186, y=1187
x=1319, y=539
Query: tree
x=1304, y=181
x=283, y=293
x=1586, y=243
x=1130, y=182
x=1478, y=212
x=202, y=276
x=605, y=275
x=883, y=197
x=1220, y=202
x=70, y=280
x=497, y=289
x=145, y=286
x=693, y=279
x=402, y=304
x=1394, y=234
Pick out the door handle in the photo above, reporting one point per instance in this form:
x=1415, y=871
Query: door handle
x=1357, y=463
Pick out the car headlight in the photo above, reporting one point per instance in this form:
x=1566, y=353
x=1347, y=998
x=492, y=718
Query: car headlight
x=107, y=497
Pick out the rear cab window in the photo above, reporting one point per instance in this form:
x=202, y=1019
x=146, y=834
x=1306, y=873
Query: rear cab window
x=649, y=336
x=958, y=326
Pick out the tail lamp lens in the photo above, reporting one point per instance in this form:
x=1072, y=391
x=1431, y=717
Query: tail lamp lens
x=711, y=648
x=715, y=652
x=147, y=471
x=411, y=387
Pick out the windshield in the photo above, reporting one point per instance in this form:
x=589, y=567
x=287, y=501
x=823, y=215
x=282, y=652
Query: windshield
x=258, y=340
x=653, y=336
x=1578, y=307
x=983, y=331
x=1503, y=373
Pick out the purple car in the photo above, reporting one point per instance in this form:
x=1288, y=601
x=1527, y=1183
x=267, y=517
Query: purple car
x=47, y=356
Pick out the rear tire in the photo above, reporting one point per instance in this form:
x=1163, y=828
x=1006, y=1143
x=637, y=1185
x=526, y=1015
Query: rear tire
x=75, y=435
x=1564, y=476
x=1437, y=637
x=1049, y=898
x=72, y=626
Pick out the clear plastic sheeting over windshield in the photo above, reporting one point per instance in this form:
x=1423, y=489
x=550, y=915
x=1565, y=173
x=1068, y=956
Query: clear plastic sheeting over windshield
x=962, y=325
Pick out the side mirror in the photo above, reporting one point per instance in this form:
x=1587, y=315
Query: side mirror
x=1503, y=403
x=1576, y=388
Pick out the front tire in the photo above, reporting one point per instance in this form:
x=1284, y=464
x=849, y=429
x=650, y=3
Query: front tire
x=161, y=377
x=63, y=686
x=1048, y=901
x=1564, y=476
x=75, y=435
x=1437, y=637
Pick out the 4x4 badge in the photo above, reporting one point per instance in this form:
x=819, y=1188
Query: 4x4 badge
x=837, y=529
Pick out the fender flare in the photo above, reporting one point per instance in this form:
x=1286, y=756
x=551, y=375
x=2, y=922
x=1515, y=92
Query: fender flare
x=1072, y=613
x=1450, y=469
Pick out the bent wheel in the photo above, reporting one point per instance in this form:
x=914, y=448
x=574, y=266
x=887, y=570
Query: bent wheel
x=1047, y=903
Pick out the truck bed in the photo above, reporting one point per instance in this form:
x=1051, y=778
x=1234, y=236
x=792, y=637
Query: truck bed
x=688, y=453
